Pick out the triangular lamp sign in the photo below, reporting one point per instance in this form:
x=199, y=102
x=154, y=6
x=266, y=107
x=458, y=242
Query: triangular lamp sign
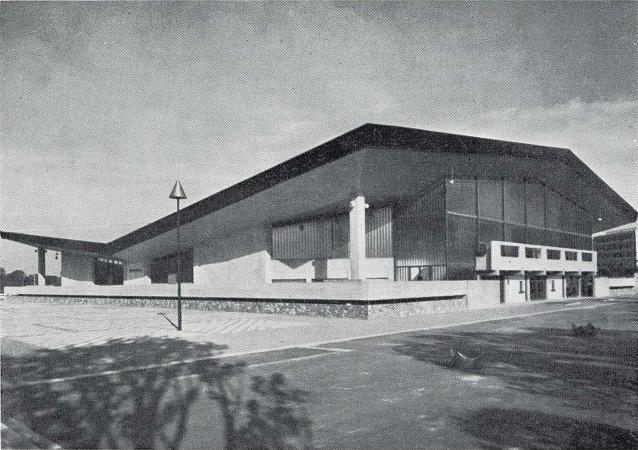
x=178, y=191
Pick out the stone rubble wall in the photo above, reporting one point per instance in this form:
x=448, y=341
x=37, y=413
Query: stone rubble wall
x=336, y=309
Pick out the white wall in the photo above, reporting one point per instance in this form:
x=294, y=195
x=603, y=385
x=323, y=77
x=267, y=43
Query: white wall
x=483, y=293
x=238, y=259
x=511, y=288
x=338, y=268
x=601, y=287
x=76, y=269
x=625, y=282
x=137, y=273
x=558, y=287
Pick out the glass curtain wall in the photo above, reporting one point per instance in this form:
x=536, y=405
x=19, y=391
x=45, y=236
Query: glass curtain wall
x=480, y=211
x=419, y=238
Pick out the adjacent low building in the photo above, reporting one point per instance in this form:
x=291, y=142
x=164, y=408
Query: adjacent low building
x=404, y=213
x=618, y=257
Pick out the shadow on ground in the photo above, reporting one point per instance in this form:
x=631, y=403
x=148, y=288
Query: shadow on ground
x=589, y=375
x=583, y=373
x=128, y=407
x=514, y=428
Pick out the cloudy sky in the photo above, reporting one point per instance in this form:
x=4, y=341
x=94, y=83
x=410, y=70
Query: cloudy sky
x=104, y=105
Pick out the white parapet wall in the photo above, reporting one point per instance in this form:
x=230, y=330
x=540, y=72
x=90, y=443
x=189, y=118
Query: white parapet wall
x=238, y=259
x=329, y=269
x=137, y=273
x=601, y=287
x=623, y=286
x=496, y=261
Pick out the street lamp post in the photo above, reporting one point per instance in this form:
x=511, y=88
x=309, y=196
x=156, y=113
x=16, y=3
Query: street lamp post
x=178, y=193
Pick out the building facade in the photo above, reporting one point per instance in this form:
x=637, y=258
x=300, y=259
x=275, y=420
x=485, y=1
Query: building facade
x=377, y=204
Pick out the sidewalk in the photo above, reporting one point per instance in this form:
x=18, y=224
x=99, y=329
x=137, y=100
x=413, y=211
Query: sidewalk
x=30, y=325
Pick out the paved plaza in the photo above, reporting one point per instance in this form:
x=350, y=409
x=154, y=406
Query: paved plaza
x=96, y=376
x=55, y=326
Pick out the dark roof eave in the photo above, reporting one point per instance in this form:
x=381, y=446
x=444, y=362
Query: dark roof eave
x=60, y=244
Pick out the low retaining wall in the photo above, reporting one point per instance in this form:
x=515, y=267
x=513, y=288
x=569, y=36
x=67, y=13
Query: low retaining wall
x=358, y=299
x=405, y=309
x=356, y=309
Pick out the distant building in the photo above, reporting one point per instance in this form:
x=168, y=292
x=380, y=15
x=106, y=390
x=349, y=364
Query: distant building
x=617, y=251
x=377, y=203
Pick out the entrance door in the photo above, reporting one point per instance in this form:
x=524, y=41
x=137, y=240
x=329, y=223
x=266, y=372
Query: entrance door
x=587, y=285
x=572, y=286
x=537, y=288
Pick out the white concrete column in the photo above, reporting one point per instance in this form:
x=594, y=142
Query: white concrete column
x=357, y=243
x=42, y=271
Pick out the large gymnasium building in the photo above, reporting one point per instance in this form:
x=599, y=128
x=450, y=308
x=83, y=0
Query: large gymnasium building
x=380, y=214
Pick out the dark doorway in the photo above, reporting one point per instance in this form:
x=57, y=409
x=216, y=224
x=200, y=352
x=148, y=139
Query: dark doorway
x=108, y=271
x=537, y=288
x=572, y=283
x=164, y=269
x=587, y=285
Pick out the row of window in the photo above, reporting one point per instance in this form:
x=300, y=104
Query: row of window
x=511, y=251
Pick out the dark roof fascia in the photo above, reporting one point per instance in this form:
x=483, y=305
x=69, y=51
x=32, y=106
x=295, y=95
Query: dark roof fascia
x=96, y=248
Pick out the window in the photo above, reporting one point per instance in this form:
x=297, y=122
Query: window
x=571, y=256
x=586, y=256
x=553, y=254
x=553, y=286
x=532, y=252
x=509, y=250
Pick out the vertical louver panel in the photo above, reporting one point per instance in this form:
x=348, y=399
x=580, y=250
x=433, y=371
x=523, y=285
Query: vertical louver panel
x=329, y=237
x=379, y=233
x=312, y=239
x=419, y=231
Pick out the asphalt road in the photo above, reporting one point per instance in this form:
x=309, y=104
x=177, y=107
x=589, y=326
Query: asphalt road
x=537, y=386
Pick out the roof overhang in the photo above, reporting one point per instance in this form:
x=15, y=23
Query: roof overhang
x=383, y=163
x=57, y=244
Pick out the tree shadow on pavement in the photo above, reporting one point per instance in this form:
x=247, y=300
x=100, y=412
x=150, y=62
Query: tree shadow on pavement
x=596, y=373
x=139, y=393
x=515, y=428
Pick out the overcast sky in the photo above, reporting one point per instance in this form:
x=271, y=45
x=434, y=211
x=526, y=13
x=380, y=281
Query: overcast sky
x=104, y=105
